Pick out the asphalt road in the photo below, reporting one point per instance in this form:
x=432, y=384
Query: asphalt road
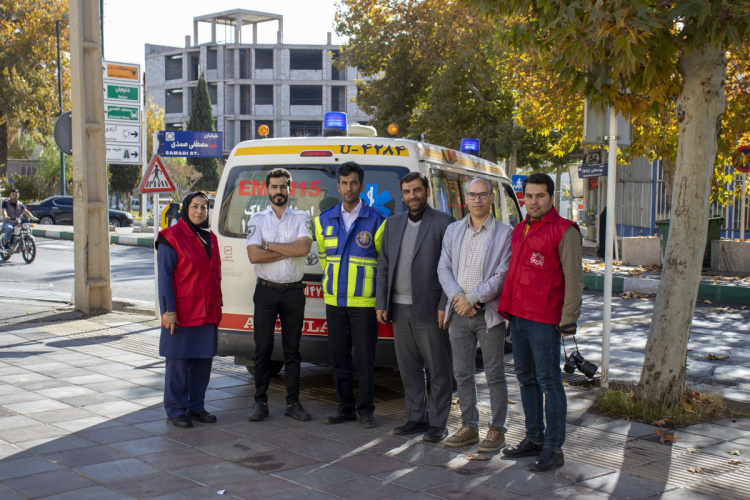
x=50, y=276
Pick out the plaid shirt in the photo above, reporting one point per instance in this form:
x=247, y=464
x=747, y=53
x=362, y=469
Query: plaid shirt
x=469, y=273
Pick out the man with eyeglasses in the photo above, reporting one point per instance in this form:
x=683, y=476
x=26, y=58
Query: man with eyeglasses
x=278, y=240
x=472, y=269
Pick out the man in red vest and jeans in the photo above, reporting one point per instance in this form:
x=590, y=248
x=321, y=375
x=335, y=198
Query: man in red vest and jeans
x=542, y=299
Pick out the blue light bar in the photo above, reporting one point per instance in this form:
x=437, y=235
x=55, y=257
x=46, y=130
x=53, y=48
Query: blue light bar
x=470, y=146
x=334, y=124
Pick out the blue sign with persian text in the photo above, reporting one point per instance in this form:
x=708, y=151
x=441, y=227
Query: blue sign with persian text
x=191, y=143
x=592, y=171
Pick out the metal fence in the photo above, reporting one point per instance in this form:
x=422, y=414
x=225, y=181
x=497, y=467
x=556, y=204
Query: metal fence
x=731, y=211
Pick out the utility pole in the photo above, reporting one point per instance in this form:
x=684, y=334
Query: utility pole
x=92, y=290
x=60, y=104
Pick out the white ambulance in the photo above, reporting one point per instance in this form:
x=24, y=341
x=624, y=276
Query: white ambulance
x=313, y=161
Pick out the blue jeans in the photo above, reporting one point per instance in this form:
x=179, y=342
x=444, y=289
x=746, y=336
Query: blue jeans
x=464, y=333
x=7, y=231
x=536, y=353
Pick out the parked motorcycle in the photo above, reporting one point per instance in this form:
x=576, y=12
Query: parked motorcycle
x=21, y=241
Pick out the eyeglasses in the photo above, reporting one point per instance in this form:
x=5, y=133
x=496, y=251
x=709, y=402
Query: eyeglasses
x=481, y=196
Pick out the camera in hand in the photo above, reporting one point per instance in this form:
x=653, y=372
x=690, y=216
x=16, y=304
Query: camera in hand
x=576, y=360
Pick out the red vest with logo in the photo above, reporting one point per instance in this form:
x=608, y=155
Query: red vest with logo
x=535, y=285
x=196, y=280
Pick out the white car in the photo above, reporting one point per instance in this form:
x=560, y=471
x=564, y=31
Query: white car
x=135, y=204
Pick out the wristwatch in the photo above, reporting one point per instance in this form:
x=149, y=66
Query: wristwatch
x=264, y=246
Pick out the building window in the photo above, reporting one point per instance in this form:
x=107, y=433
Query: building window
x=305, y=128
x=305, y=95
x=268, y=124
x=213, y=93
x=245, y=99
x=211, y=56
x=263, y=95
x=305, y=59
x=173, y=67
x=246, y=130
x=194, y=67
x=244, y=64
x=27, y=169
x=173, y=101
x=263, y=58
x=173, y=126
x=338, y=98
x=336, y=74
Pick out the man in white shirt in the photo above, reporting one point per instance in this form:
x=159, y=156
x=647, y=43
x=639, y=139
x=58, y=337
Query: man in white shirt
x=278, y=240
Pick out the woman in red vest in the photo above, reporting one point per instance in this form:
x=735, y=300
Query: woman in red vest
x=190, y=300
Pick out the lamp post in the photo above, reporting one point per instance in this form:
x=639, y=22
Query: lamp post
x=60, y=106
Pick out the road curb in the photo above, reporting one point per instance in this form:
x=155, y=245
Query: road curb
x=116, y=239
x=706, y=291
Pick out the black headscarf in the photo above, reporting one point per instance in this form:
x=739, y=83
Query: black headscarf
x=201, y=230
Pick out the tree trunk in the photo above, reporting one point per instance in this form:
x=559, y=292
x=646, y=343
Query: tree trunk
x=698, y=110
x=558, y=188
x=3, y=146
x=512, y=161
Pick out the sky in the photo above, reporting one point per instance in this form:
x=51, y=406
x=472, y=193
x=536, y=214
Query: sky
x=130, y=24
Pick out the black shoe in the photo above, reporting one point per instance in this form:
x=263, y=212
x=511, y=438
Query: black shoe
x=366, y=421
x=411, y=427
x=339, y=417
x=297, y=412
x=203, y=417
x=180, y=421
x=548, y=460
x=525, y=448
x=435, y=434
x=259, y=413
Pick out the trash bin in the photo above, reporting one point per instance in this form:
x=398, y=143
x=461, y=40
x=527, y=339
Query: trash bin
x=714, y=233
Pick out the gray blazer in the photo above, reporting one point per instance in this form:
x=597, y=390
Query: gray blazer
x=495, y=264
x=427, y=294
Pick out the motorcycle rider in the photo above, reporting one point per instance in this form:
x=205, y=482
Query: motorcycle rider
x=12, y=210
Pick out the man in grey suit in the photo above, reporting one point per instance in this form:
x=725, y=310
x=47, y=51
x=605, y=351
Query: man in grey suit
x=408, y=292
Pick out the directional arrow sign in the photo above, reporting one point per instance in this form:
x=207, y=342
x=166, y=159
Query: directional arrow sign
x=157, y=179
x=120, y=153
x=119, y=92
x=122, y=134
x=123, y=113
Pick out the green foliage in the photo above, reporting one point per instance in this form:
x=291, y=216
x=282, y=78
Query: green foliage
x=30, y=187
x=694, y=408
x=202, y=119
x=436, y=70
x=124, y=178
x=28, y=66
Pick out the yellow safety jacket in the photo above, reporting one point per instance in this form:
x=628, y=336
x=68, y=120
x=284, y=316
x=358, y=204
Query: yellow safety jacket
x=349, y=259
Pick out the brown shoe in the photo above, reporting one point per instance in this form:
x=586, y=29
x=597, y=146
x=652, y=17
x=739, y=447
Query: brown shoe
x=493, y=442
x=463, y=437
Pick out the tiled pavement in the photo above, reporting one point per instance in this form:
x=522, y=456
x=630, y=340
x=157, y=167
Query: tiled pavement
x=81, y=418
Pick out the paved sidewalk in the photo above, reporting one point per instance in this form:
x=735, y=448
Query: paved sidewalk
x=81, y=417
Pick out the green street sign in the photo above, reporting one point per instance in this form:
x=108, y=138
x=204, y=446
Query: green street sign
x=126, y=113
x=122, y=92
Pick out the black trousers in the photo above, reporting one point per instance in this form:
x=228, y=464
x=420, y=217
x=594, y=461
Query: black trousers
x=289, y=307
x=353, y=327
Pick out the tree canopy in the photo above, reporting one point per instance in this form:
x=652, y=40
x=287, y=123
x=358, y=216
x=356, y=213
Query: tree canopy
x=202, y=119
x=649, y=58
x=436, y=69
x=28, y=67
